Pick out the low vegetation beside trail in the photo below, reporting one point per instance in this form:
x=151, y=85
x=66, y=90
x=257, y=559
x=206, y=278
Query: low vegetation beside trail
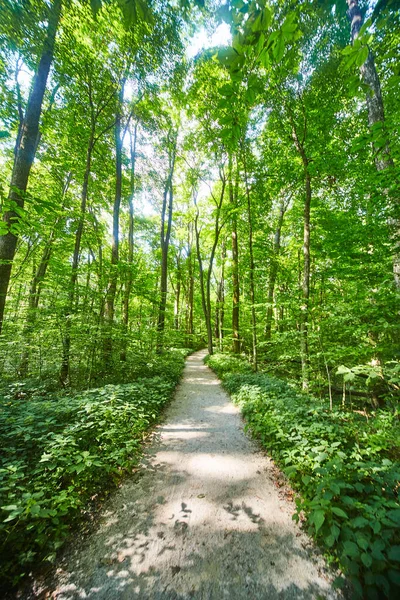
x=63, y=451
x=343, y=464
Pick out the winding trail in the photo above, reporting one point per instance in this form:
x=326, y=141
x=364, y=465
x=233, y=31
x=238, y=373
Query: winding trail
x=204, y=520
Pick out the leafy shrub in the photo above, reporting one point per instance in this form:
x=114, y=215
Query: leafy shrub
x=227, y=363
x=344, y=466
x=58, y=452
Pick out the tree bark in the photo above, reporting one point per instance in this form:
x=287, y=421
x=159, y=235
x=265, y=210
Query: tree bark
x=190, y=290
x=376, y=114
x=129, y=277
x=206, y=286
x=274, y=270
x=112, y=288
x=165, y=235
x=233, y=199
x=35, y=286
x=24, y=156
x=204, y=303
x=177, y=291
x=251, y=265
x=305, y=283
x=66, y=343
x=220, y=305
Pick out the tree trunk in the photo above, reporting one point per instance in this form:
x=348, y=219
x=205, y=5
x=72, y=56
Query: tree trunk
x=252, y=267
x=25, y=154
x=274, y=270
x=376, y=114
x=177, y=291
x=190, y=291
x=305, y=283
x=305, y=360
x=220, y=308
x=66, y=344
x=233, y=198
x=204, y=302
x=166, y=223
x=129, y=277
x=206, y=289
x=35, y=287
x=112, y=288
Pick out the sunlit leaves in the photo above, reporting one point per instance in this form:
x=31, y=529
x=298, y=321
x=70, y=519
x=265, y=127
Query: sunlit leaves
x=135, y=11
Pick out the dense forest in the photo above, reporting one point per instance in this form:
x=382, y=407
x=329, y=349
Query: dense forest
x=181, y=174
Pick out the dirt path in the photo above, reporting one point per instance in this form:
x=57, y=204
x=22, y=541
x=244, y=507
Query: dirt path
x=204, y=521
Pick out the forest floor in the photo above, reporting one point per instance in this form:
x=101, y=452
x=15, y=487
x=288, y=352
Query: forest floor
x=207, y=517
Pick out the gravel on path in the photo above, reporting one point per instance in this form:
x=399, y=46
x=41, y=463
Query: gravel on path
x=204, y=520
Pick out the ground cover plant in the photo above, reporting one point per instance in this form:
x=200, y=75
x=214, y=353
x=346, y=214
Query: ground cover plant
x=344, y=465
x=61, y=451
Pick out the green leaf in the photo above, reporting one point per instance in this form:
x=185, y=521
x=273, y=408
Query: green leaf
x=350, y=60
x=227, y=56
x=366, y=559
x=362, y=56
x=95, y=6
x=346, y=51
x=278, y=48
x=394, y=515
x=362, y=542
x=360, y=522
x=394, y=576
x=350, y=549
x=394, y=553
x=339, y=512
x=318, y=518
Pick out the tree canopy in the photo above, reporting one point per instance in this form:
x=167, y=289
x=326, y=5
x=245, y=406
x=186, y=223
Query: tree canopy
x=244, y=197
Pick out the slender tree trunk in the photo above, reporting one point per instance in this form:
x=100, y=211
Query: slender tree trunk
x=252, y=267
x=66, y=345
x=166, y=223
x=220, y=308
x=274, y=270
x=112, y=288
x=177, y=291
x=376, y=114
x=206, y=287
x=305, y=360
x=305, y=283
x=25, y=154
x=129, y=277
x=204, y=302
x=190, y=291
x=35, y=286
x=233, y=199
x=19, y=105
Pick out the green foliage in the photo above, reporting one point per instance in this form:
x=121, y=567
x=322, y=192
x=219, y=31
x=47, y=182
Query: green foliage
x=59, y=451
x=344, y=466
x=227, y=363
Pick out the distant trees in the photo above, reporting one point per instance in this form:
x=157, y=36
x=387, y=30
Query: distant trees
x=240, y=200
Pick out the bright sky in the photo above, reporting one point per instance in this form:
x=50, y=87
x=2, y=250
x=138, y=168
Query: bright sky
x=220, y=37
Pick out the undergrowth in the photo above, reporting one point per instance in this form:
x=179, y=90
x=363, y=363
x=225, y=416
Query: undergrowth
x=344, y=466
x=62, y=450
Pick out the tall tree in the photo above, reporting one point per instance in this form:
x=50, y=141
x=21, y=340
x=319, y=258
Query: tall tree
x=165, y=231
x=24, y=156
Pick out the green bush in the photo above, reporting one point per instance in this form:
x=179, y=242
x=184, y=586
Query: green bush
x=227, y=363
x=60, y=451
x=345, y=468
